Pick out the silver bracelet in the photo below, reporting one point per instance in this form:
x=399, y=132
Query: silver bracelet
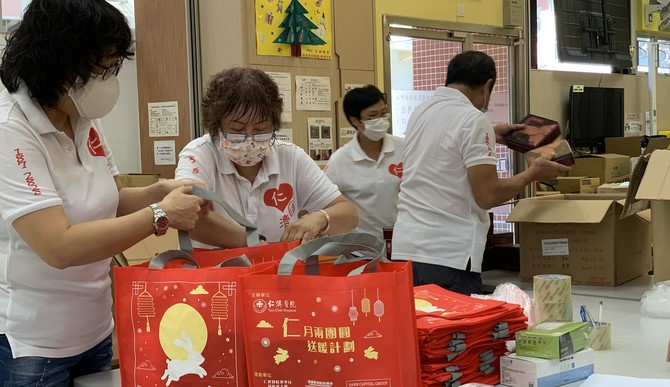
x=325, y=230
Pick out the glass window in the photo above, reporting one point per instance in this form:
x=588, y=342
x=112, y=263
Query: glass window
x=644, y=49
x=547, y=44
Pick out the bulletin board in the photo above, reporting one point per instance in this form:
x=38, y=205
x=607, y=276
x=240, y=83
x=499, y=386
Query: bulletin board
x=352, y=61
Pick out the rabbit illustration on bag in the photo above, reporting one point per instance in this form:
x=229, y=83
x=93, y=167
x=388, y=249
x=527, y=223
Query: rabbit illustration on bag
x=178, y=368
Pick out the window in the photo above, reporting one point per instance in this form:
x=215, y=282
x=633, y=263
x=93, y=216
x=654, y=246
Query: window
x=578, y=34
x=644, y=49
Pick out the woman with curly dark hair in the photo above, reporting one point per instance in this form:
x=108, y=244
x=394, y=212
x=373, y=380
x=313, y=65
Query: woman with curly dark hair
x=62, y=216
x=268, y=181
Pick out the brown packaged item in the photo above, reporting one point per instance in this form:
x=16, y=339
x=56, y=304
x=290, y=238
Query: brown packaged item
x=537, y=131
x=559, y=150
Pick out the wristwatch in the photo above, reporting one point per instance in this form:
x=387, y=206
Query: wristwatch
x=161, y=223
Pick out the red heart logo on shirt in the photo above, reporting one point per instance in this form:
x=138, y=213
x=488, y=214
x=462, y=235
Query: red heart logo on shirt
x=94, y=144
x=396, y=170
x=280, y=197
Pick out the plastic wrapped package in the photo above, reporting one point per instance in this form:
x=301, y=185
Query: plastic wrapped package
x=511, y=293
x=656, y=301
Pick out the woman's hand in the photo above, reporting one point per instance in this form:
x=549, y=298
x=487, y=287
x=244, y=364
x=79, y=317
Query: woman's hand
x=182, y=208
x=306, y=227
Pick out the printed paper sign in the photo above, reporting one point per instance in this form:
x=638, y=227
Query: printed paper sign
x=554, y=247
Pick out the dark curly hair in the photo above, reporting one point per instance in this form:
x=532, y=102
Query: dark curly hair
x=60, y=40
x=237, y=91
x=359, y=99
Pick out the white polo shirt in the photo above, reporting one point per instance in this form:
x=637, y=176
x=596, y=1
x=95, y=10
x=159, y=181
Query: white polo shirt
x=288, y=182
x=439, y=221
x=45, y=311
x=372, y=185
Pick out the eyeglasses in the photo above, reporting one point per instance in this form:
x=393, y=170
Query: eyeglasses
x=114, y=69
x=241, y=137
x=383, y=115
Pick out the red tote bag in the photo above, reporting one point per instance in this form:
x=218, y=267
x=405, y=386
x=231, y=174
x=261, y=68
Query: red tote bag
x=180, y=325
x=330, y=323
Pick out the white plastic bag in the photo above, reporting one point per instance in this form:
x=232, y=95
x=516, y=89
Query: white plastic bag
x=512, y=294
x=656, y=301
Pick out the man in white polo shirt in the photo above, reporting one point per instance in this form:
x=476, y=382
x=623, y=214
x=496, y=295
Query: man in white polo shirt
x=450, y=179
x=368, y=169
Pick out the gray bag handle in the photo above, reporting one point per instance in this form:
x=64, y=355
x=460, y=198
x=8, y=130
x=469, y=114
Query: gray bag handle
x=342, y=245
x=253, y=238
x=162, y=259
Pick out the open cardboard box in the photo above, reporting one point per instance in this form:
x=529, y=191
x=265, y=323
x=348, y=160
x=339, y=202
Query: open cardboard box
x=584, y=237
x=147, y=248
x=654, y=191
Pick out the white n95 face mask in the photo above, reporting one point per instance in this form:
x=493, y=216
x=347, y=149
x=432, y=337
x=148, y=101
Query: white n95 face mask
x=96, y=98
x=375, y=129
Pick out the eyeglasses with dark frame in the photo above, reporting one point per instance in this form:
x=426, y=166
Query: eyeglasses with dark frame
x=241, y=137
x=114, y=69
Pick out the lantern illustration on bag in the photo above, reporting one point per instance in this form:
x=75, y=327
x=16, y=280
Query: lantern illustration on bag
x=365, y=303
x=353, y=312
x=379, y=307
x=145, y=306
x=220, y=305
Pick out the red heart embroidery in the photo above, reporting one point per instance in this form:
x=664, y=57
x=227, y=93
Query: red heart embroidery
x=94, y=144
x=280, y=197
x=396, y=170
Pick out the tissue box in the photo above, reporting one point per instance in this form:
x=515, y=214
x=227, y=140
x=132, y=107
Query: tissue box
x=552, y=340
x=520, y=371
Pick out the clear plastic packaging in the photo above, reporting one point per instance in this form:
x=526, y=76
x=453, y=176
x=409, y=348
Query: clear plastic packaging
x=656, y=301
x=512, y=294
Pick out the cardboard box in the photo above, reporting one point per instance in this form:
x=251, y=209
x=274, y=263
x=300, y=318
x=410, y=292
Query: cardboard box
x=614, y=188
x=136, y=179
x=147, y=248
x=552, y=339
x=629, y=146
x=582, y=236
x=609, y=167
x=655, y=143
x=578, y=184
x=521, y=371
x=655, y=188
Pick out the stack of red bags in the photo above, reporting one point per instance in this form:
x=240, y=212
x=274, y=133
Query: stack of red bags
x=462, y=338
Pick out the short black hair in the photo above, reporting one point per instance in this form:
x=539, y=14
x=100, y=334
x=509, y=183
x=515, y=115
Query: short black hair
x=471, y=68
x=359, y=99
x=237, y=91
x=60, y=40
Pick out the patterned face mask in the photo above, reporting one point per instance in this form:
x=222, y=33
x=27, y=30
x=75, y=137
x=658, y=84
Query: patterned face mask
x=246, y=153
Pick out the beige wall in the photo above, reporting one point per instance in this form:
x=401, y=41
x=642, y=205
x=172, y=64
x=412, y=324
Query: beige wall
x=549, y=91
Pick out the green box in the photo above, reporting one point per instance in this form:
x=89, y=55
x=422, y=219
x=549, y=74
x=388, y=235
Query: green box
x=552, y=340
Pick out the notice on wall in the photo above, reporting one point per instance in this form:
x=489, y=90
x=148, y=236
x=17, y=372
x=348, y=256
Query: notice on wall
x=350, y=86
x=163, y=119
x=285, y=134
x=320, y=139
x=348, y=132
x=312, y=93
x=404, y=103
x=165, y=153
x=498, y=109
x=283, y=81
x=632, y=125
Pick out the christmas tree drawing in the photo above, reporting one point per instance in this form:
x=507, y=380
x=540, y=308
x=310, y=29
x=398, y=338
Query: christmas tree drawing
x=298, y=29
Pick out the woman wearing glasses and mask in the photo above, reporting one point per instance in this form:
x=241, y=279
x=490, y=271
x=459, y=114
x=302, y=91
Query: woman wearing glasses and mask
x=368, y=169
x=62, y=217
x=268, y=181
